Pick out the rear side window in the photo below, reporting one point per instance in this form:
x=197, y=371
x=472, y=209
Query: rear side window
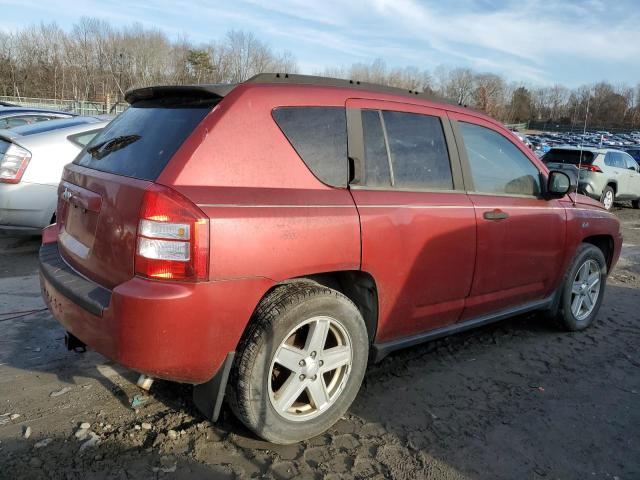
x=140, y=141
x=615, y=159
x=405, y=151
x=83, y=139
x=573, y=157
x=497, y=165
x=319, y=135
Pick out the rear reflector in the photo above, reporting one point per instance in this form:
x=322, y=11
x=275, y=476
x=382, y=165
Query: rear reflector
x=13, y=164
x=173, y=237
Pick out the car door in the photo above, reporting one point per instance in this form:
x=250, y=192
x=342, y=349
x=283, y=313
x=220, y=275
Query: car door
x=418, y=226
x=520, y=235
x=633, y=176
x=618, y=173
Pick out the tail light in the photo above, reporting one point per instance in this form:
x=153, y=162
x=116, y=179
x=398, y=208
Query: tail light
x=591, y=168
x=173, y=237
x=13, y=164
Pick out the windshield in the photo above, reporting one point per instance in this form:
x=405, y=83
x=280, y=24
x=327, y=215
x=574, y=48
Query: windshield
x=140, y=142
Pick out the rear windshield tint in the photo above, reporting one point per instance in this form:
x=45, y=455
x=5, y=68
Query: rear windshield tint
x=558, y=155
x=319, y=135
x=140, y=142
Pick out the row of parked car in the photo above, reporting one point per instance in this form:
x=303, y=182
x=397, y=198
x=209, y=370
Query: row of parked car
x=35, y=145
x=605, y=163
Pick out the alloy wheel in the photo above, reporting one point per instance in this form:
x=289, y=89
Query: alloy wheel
x=310, y=369
x=585, y=289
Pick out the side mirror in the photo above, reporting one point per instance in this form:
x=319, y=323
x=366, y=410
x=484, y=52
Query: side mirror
x=559, y=184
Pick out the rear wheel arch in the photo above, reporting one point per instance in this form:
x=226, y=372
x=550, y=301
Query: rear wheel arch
x=614, y=185
x=358, y=286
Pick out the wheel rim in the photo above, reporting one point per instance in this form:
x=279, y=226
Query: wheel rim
x=608, y=199
x=585, y=289
x=310, y=369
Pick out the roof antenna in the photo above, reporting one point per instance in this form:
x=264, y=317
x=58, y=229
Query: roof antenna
x=584, y=133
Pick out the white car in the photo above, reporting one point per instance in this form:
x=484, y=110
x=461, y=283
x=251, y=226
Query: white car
x=32, y=158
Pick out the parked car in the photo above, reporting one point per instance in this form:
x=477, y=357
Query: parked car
x=634, y=152
x=14, y=116
x=31, y=161
x=270, y=238
x=606, y=175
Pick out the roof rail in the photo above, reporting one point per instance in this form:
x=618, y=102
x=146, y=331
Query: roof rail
x=294, y=78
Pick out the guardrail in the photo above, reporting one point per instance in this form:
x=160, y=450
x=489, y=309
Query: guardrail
x=79, y=107
x=516, y=126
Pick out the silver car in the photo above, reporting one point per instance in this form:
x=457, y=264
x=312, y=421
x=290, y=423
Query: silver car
x=605, y=174
x=32, y=158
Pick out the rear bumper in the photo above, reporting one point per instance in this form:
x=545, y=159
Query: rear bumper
x=26, y=207
x=180, y=332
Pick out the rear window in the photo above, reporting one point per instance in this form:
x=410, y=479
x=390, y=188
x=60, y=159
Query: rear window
x=558, y=155
x=140, y=141
x=319, y=135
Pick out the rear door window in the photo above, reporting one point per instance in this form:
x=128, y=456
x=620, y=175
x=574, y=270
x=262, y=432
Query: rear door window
x=497, y=165
x=140, y=141
x=405, y=151
x=376, y=157
x=573, y=157
x=319, y=136
x=418, y=151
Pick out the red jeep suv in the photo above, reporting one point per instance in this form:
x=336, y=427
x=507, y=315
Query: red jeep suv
x=264, y=241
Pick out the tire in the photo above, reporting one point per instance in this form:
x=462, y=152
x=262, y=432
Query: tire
x=608, y=197
x=587, y=257
x=635, y=204
x=259, y=384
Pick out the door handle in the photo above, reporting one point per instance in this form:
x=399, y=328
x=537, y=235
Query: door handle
x=495, y=215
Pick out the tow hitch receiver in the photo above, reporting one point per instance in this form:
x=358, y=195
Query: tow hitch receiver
x=74, y=343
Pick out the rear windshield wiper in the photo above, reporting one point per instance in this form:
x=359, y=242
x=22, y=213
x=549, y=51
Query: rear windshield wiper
x=103, y=149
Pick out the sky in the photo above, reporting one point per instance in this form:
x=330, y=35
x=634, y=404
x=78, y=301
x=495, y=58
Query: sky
x=535, y=42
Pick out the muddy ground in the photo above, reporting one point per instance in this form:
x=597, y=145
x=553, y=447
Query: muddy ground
x=518, y=399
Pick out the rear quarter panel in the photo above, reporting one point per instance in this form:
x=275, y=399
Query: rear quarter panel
x=270, y=217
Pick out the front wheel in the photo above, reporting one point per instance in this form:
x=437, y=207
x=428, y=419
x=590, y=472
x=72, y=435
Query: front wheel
x=301, y=363
x=583, y=288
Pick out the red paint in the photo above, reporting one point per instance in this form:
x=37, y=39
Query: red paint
x=434, y=258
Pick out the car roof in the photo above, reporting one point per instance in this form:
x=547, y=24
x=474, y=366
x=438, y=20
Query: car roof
x=63, y=130
x=42, y=127
x=586, y=149
x=16, y=110
x=218, y=91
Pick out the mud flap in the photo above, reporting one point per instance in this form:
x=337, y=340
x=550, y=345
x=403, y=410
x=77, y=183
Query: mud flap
x=208, y=396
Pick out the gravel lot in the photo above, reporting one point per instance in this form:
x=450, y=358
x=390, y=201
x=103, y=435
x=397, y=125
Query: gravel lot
x=518, y=399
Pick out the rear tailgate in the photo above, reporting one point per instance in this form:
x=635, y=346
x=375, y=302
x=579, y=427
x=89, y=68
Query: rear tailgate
x=98, y=220
x=101, y=193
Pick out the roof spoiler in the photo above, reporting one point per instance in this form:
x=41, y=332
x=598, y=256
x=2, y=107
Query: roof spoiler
x=203, y=92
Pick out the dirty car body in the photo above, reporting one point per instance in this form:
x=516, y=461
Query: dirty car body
x=262, y=192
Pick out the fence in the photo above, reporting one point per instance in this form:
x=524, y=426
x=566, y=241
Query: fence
x=516, y=126
x=79, y=107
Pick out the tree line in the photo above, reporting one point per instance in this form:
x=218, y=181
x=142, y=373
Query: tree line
x=97, y=61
